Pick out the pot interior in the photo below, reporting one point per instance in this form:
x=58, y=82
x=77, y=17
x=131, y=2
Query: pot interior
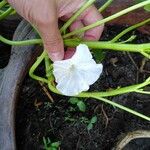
x=41, y=113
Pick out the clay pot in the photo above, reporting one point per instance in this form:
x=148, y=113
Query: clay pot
x=11, y=78
x=7, y=28
x=128, y=19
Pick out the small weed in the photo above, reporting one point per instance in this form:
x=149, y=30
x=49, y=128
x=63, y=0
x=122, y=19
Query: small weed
x=91, y=123
x=47, y=105
x=48, y=145
x=79, y=103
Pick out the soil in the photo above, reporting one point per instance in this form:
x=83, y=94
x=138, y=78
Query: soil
x=7, y=28
x=38, y=117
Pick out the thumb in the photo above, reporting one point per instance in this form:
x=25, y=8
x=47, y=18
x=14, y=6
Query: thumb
x=53, y=42
x=49, y=31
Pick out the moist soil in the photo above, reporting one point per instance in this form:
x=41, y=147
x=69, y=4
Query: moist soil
x=37, y=116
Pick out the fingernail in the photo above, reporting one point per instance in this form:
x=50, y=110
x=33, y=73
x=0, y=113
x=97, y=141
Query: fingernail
x=55, y=56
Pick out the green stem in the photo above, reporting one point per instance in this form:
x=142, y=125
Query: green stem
x=6, y=13
x=3, y=3
x=35, y=65
x=116, y=38
x=142, y=92
x=20, y=43
x=124, y=90
x=145, y=54
x=1, y=11
x=48, y=66
x=98, y=23
x=122, y=107
x=130, y=39
x=111, y=46
x=105, y=6
x=91, y=44
x=92, y=95
x=77, y=14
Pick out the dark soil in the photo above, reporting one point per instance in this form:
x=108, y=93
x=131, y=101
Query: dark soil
x=7, y=28
x=38, y=117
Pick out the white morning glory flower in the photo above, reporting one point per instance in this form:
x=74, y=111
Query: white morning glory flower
x=76, y=74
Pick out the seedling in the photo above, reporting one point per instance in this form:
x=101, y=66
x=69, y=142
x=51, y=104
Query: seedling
x=113, y=44
x=91, y=123
x=48, y=145
x=79, y=103
x=47, y=105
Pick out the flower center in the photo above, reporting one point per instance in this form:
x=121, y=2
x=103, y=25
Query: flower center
x=72, y=67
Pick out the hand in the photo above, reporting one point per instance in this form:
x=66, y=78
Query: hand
x=44, y=15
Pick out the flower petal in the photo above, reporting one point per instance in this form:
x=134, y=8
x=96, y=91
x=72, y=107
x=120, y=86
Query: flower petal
x=90, y=72
x=61, y=68
x=72, y=85
x=82, y=54
x=74, y=75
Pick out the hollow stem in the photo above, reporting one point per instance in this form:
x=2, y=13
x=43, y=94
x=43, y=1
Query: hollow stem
x=98, y=23
x=130, y=39
x=142, y=92
x=35, y=65
x=141, y=48
x=123, y=90
x=116, y=38
x=111, y=46
x=6, y=13
x=20, y=43
x=101, y=9
x=122, y=108
x=98, y=97
x=3, y=3
x=145, y=54
x=77, y=14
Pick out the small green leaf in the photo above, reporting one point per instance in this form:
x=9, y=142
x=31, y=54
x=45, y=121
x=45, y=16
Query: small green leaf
x=55, y=144
x=73, y=100
x=98, y=54
x=53, y=148
x=81, y=106
x=93, y=120
x=90, y=126
x=147, y=7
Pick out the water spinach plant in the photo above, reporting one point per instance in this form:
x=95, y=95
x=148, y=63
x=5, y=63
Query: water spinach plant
x=71, y=41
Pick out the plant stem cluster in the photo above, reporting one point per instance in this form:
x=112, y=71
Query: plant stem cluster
x=113, y=44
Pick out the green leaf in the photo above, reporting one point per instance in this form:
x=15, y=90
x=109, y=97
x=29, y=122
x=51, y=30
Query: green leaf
x=81, y=106
x=52, y=148
x=99, y=55
x=93, y=120
x=147, y=7
x=47, y=143
x=73, y=100
x=90, y=126
x=55, y=144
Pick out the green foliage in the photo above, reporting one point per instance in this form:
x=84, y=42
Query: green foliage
x=99, y=55
x=48, y=145
x=79, y=103
x=147, y=7
x=91, y=123
x=143, y=49
x=73, y=100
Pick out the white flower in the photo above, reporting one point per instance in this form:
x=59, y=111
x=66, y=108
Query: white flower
x=76, y=74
